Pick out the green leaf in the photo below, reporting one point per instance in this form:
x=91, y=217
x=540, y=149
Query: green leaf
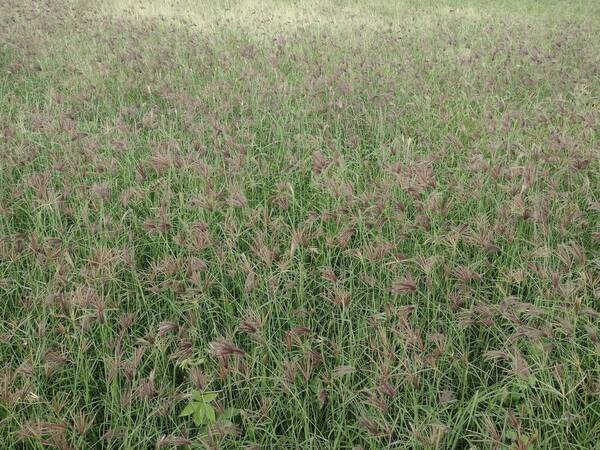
x=209, y=396
x=199, y=414
x=188, y=410
x=204, y=397
x=210, y=414
x=230, y=413
x=316, y=385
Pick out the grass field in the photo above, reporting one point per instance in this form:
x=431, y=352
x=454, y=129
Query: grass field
x=299, y=224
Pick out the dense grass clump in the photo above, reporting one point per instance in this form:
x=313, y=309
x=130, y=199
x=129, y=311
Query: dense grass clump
x=279, y=224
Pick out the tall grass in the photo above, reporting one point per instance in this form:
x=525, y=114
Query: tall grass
x=360, y=224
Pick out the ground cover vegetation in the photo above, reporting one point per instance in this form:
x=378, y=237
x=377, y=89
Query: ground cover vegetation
x=327, y=224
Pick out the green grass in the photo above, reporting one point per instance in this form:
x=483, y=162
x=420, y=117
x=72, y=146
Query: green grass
x=362, y=224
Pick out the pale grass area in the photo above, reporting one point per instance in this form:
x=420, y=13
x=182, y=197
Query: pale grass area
x=279, y=16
